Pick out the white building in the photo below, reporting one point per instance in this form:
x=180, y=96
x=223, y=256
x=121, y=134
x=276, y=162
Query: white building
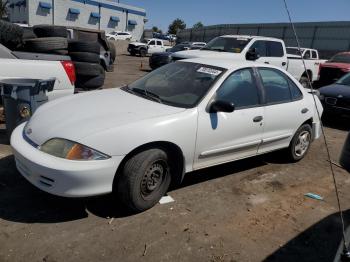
x=106, y=15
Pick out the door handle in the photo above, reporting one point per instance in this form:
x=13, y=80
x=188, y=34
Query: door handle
x=284, y=63
x=304, y=110
x=267, y=62
x=257, y=119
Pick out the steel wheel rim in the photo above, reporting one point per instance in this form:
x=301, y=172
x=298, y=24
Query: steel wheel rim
x=302, y=144
x=153, y=178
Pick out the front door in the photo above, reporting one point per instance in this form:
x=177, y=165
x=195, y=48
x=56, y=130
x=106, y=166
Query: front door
x=223, y=137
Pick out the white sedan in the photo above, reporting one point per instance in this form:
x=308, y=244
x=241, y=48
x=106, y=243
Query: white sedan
x=185, y=116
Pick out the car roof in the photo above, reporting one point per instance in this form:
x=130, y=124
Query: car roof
x=250, y=37
x=226, y=63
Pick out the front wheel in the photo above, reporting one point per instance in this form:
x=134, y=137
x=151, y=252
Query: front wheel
x=143, y=52
x=300, y=143
x=144, y=180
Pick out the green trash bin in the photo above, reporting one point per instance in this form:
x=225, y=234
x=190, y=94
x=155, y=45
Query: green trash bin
x=21, y=97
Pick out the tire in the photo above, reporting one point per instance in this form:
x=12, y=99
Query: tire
x=10, y=35
x=85, y=57
x=80, y=46
x=46, y=45
x=28, y=33
x=304, y=81
x=88, y=69
x=50, y=31
x=295, y=154
x=89, y=83
x=132, y=187
x=143, y=52
x=112, y=49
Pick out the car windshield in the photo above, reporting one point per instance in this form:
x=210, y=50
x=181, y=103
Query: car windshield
x=345, y=80
x=227, y=44
x=293, y=51
x=180, y=84
x=341, y=58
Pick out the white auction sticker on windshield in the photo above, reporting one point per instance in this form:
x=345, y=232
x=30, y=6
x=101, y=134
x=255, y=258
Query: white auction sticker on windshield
x=210, y=71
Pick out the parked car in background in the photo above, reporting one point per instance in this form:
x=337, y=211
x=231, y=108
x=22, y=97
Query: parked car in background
x=18, y=64
x=152, y=46
x=334, y=68
x=119, y=35
x=336, y=97
x=162, y=58
x=193, y=114
x=261, y=49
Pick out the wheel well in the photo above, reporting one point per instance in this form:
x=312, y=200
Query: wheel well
x=309, y=122
x=177, y=160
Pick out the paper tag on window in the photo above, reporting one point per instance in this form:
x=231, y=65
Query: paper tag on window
x=210, y=71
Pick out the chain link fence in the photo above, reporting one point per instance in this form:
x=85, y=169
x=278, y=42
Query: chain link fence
x=327, y=37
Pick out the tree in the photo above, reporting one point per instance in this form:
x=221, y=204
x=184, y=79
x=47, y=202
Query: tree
x=3, y=8
x=198, y=25
x=155, y=29
x=176, y=25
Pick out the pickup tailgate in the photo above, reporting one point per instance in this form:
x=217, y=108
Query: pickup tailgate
x=38, y=69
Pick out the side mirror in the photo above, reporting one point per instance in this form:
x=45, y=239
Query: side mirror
x=252, y=54
x=221, y=106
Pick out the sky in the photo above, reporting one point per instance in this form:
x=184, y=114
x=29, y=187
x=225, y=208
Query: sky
x=211, y=12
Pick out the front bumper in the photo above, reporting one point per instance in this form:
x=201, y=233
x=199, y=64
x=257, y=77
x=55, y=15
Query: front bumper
x=63, y=177
x=335, y=110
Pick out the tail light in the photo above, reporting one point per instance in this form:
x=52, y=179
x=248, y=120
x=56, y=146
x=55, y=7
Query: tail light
x=70, y=70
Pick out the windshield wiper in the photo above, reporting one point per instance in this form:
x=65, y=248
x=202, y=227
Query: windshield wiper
x=146, y=93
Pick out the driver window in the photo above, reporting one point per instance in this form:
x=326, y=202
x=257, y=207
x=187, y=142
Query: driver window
x=260, y=48
x=307, y=55
x=239, y=88
x=152, y=43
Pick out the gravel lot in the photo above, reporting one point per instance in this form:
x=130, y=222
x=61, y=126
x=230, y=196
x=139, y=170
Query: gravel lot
x=250, y=210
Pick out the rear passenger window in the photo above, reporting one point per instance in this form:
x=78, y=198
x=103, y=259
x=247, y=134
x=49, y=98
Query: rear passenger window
x=314, y=55
x=159, y=43
x=239, y=88
x=275, y=49
x=260, y=48
x=295, y=91
x=276, y=86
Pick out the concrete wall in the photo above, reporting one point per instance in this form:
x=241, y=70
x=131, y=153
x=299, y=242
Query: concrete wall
x=328, y=37
x=60, y=15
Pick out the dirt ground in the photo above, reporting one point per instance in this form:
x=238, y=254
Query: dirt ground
x=250, y=210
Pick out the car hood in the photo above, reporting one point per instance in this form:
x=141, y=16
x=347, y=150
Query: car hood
x=78, y=116
x=161, y=54
x=138, y=44
x=335, y=90
x=336, y=65
x=205, y=53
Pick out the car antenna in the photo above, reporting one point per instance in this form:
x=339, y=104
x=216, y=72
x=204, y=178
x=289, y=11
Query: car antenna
x=346, y=254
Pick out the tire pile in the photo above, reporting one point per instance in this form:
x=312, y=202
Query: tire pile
x=86, y=56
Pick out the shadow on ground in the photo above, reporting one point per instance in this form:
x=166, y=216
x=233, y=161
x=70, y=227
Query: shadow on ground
x=318, y=243
x=22, y=202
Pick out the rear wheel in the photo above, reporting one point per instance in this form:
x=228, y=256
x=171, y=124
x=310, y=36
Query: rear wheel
x=144, y=180
x=300, y=143
x=143, y=52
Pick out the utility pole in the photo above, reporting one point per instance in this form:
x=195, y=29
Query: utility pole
x=53, y=12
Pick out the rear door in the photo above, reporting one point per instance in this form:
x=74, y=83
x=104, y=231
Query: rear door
x=285, y=109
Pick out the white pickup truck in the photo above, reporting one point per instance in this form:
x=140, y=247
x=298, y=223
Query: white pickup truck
x=266, y=50
x=152, y=46
x=39, y=66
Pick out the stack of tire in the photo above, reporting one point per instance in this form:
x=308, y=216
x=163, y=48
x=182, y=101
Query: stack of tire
x=46, y=39
x=86, y=58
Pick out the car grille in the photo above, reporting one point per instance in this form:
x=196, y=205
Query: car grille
x=131, y=46
x=331, y=101
x=343, y=103
x=329, y=75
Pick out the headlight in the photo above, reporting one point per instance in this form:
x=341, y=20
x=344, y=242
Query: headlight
x=71, y=150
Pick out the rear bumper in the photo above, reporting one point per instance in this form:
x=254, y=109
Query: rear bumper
x=59, y=176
